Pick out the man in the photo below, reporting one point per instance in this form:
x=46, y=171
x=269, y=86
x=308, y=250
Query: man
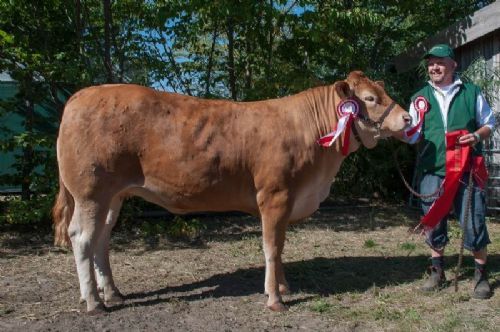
x=445, y=105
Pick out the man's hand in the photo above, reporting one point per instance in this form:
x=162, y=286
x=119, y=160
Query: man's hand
x=470, y=139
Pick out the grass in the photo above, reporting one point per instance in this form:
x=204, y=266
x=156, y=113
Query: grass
x=321, y=306
x=402, y=307
x=343, y=275
x=369, y=244
x=397, y=309
x=408, y=246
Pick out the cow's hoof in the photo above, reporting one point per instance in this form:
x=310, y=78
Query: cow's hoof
x=115, y=299
x=278, y=307
x=99, y=310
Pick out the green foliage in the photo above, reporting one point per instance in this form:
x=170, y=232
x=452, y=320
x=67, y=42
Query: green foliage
x=374, y=173
x=487, y=78
x=51, y=49
x=178, y=229
x=34, y=213
x=370, y=244
x=454, y=230
x=281, y=47
x=132, y=208
x=182, y=229
x=411, y=315
x=153, y=229
x=408, y=246
x=321, y=306
x=245, y=50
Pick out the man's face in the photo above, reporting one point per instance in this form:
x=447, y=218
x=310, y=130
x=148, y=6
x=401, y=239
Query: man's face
x=441, y=70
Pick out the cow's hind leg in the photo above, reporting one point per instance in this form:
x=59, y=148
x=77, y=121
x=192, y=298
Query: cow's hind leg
x=102, y=266
x=274, y=224
x=84, y=228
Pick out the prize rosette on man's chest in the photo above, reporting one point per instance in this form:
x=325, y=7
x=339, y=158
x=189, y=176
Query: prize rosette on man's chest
x=421, y=106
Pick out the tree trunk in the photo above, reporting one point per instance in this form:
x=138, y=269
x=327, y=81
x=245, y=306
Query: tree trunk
x=210, y=61
x=107, y=41
x=248, y=65
x=27, y=165
x=78, y=27
x=230, y=66
x=270, y=40
x=59, y=103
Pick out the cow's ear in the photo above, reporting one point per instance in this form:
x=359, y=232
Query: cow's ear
x=343, y=90
x=354, y=77
x=381, y=83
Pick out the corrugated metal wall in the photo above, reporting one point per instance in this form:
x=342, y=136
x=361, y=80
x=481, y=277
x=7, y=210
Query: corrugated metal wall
x=488, y=47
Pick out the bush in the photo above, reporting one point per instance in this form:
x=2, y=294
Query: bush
x=35, y=213
x=178, y=229
x=373, y=173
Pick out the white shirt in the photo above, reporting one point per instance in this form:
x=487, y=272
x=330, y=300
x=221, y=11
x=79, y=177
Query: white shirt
x=444, y=96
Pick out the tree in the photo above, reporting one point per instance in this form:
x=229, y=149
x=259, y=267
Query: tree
x=35, y=52
x=51, y=49
x=243, y=50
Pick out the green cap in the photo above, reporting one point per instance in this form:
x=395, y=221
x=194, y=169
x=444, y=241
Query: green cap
x=440, y=51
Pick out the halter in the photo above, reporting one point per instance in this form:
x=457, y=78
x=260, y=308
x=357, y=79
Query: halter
x=377, y=124
x=348, y=112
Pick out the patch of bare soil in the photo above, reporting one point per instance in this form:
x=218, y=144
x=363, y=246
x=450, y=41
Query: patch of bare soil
x=350, y=268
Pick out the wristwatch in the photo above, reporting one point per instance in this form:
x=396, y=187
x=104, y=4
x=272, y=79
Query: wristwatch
x=477, y=137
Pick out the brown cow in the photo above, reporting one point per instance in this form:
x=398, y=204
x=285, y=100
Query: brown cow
x=188, y=154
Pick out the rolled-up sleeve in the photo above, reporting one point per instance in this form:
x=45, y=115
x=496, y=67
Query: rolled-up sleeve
x=484, y=113
x=414, y=121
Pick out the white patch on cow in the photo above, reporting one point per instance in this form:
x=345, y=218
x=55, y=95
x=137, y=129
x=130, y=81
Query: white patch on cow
x=101, y=251
x=81, y=242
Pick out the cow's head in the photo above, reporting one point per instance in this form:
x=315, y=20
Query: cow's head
x=380, y=116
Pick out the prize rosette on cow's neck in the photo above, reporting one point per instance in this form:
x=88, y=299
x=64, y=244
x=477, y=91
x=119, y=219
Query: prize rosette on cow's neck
x=421, y=106
x=348, y=111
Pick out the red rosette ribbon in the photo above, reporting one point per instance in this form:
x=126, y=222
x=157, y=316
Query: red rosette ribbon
x=348, y=111
x=421, y=106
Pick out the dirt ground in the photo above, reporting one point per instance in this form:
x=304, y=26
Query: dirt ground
x=351, y=268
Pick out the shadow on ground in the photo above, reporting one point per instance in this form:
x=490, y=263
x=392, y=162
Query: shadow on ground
x=319, y=277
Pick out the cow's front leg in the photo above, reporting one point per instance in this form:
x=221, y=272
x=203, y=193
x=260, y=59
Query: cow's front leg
x=280, y=273
x=274, y=223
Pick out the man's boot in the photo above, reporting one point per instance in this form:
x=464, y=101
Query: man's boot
x=436, y=280
x=482, y=289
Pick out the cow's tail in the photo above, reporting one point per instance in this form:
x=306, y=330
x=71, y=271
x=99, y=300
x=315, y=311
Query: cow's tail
x=61, y=214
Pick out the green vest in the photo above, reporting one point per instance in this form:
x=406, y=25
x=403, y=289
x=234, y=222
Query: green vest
x=461, y=115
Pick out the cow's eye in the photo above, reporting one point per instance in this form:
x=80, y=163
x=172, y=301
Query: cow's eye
x=370, y=98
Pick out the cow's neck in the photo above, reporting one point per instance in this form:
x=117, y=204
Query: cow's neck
x=314, y=112
x=316, y=115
